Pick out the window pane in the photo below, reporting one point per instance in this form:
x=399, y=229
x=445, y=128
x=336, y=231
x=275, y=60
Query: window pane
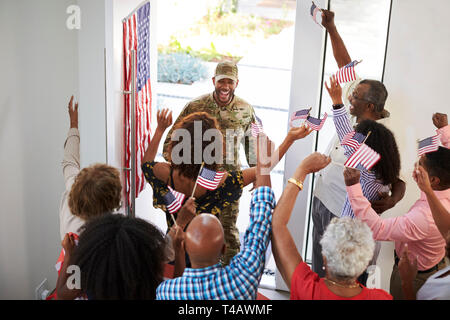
x=363, y=27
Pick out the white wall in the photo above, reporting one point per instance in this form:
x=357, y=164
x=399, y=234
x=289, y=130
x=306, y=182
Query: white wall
x=417, y=80
x=39, y=73
x=305, y=91
x=91, y=62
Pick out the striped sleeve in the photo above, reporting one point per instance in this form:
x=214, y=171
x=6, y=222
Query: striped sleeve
x=343, y=127
x=249, y=263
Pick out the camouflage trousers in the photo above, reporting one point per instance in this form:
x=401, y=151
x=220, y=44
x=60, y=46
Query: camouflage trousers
x=228, y=218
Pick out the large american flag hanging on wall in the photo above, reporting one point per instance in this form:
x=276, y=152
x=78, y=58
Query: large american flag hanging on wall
x=136, y=36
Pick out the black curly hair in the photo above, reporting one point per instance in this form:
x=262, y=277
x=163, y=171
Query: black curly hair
x=382, y=140
x=191, y=169
x=438, y=164
x=120, y=258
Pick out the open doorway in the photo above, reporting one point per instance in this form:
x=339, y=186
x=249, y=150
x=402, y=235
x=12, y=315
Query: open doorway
x=259, y=36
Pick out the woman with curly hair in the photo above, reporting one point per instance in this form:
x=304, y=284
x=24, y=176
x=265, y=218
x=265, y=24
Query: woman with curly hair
x=181, y=175
x=385, y=173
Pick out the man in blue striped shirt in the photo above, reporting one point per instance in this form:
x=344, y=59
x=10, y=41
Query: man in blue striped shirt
x=204, y=242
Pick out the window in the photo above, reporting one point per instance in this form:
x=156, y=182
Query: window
x=363, y=25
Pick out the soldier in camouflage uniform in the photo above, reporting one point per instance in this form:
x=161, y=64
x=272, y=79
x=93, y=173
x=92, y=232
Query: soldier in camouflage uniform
x=232, y=113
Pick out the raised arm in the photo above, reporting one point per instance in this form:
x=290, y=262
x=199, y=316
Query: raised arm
x=62, y=291
x=286, y=255
x=164, y=118
x=440, y=120
x=440, y=215
x=71, y=160
x=295, y=133
x=251, y=259
x=340, y=115
x=340, y=52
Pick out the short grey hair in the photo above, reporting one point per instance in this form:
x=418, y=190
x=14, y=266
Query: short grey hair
x=348, y=246
x=377, y=93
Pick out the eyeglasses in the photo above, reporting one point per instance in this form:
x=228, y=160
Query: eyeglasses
x=353, y=96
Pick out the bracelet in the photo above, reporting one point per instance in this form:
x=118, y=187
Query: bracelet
x=297, y=183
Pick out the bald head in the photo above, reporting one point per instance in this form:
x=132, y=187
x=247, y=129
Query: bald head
x=204, y=240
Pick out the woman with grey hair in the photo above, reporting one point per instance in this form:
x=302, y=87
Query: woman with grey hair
x=347, y=248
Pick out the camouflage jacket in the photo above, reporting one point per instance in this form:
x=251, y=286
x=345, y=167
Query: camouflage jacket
x=236, y=117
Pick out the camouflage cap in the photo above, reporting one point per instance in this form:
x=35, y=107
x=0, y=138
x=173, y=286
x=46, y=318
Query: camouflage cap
x=226, y=70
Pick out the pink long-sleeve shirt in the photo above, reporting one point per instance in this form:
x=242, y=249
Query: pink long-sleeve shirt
x=417, y=227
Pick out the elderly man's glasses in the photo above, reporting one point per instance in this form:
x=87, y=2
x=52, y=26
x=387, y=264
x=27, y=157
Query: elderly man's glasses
x=354, y=97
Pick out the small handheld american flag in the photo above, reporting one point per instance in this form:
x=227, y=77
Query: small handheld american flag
x=257, y=127
x=300, y=114
x=353, y=139
x=347, y=73
x=427, y=145
x=316, y=14
x=364, y=157
x=173, y=200
x=209, y=179
x=316, y=124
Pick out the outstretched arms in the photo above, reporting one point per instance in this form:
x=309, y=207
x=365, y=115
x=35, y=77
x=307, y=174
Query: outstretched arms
x=295, y=133
x=440, y=215
x=340, y=52
x=284, y=250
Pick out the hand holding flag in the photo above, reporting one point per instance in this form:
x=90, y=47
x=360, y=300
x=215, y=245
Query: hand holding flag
x=351, y=176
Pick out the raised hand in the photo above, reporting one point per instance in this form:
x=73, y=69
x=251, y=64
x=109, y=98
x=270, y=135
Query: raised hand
x=164, y=119
x=351, y=176
x=420, y=176
x=296, y=133
x=73, y=113
x=334, y=90
x=187, y=213
x=178, y=237
x=328, y=19
x=314, y=162
x=440, y=120
x=68, y=244
x=264, y=152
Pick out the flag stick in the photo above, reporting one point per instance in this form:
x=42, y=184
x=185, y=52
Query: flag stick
x=368, y=134
x=310, y=108
x=342, y=165
x=173, y=219
x=195, y=185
